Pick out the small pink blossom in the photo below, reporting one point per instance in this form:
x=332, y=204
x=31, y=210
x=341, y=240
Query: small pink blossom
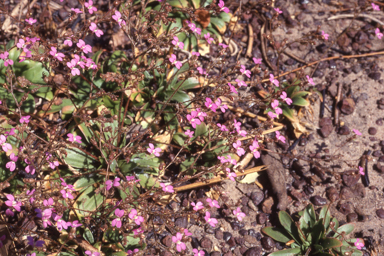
x=236, y=124
x=7, y=61
x=375, y=7
x=223, y=128
x=30, y=169
x=254, y=149
x=359, y=243
x=222, y=7
x=130, y=252
x=194, y=29
x=31, y=21
x=72, y=65
x=361, y=170
x=198, y=253
x=73, y=138
x=12, y=164
x=326, y=36
x=179, y=244
x=273, y=80
x=280, y=137
x=86, y=48
x=66, y=194
x=67, y=186
x=115, y=183
x=198, y=206
x=189, y=133
x=208, y=38
x=196, y=54
x=378, y=33
x=24, y=119
x=239, y=215
x=356, y=132
x=133, y=216
x=272, y=115
x=119, y=214
x=201, y=71
x=284, y=97
x=201, y=114
x=222, y=107
x=244, y=71
x=13, y=203
x=213, y=203
x=95, y=30
x=117, y=17
x=209, y=220
x=187, y=233
x=193, y=119
x=275, y=105
x=76, y=10
x=310, y=80
x=168, y=189
x=68, y=42
x=232, y=88
x=239, y=150
x=53, y=164
x=57, y=55
x=89, y=253
x=240, y=82
x=209, y=104
x=278, y=10
x=48, y=202
x=90, y=7
x=257, y=61
x=153, y=150
x=231, y=175
x=223, y=45
x=177, y=43
x=174, y=61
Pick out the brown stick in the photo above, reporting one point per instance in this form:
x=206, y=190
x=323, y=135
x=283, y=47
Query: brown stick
x=361, y=15
x=250, y=41
x=294, y=57
x=337, y=102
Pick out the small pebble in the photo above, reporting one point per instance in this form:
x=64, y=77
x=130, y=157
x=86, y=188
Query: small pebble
x=352, y=217
x=267, y=243
x=206, y=243
x=350, y=178
x=227, y=236
x=347, y=106
x=219, y=234
x=254, y=251
x=372, y=130
x=379, y=121
x=167, y=241
x=318, y=200
x=261, y=218
x=380, y=213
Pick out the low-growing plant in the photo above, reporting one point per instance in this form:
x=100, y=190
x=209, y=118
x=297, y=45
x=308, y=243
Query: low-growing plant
x=314, y=234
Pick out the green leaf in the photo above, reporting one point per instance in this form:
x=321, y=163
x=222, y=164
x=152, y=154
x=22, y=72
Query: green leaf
x=289, y=225
x=88, y=236
x=219, y=24
x=309, y=216
x=287, y=252
x=299, y=101
x=87, y=181
x=78, y=159
x=317, y=231
x=329, y=242
x=121, y=253
x=201, y=130
x=277, y=234
x=88, y=202
x=146, y=181
x=291, y=90
x=289, y=113
x=347, y=229
x=28, y=105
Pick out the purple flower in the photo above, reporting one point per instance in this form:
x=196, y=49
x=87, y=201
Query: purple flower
x=86, y=48
x=198, y=206
x=174, y=61
x=189, y=133
x=24, y=119
x=95, y=30
x=239, y=215
x=244, y=71
x=209, y=220
x=213, y=203
x=117, y=17
x=280, y=137
x=177, y=240
x=284, y=97
x=32, y=243
x=89, y=253
x=90, y=7
x=7, y=61
x=257, y=61
x=193, y=119
x=12, y=164
x=73, y=138
x=273, y=80
x=177, y=43
x=133, y=216
x=239, y=151
x=117, y=222
x=254, y=147
x=13, y=203
x=168, y=189
x=153, y=150
x=222, y=7
x=31, y=21
x=326, y=36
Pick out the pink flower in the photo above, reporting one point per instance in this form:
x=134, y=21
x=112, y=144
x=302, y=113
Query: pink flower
x=239, y=151
x=153, y=150
x=198, y=206
x=73, y=138
x=223, y=128
x=196, y=53
x=284, y=97
x=66, y=194
x=130, y=252
x=30, y=169
x=13, y=203
x=244, y=71
x=326, y=36
x=232, y=88
x=209, y=220
x=115, y=183
x=24, y=119
x=231, y=175
x=201, y=71
x=72, y=65
x=277, y=10
x=375, y=7
x=209, y=104
x=310, y=80
x=89, y=253
x=219, y=105
x=117, y=222
x=7, y=61
x=57, y=55
x=138, y=231
x=236, y=124
x=254, y=147
x=272, y=115
x=201, y=114
x=168, y=189
x=213, y=203
x=356, y=132
x=273, y=80
x=77, y=11
x=177, y=240
x=133, y=216
x=240, y=83
x=53, y=164
x=12, y=131
x=91, y=8
x=177, y=43
x=275, y=105
x=86, y=48
x=208, y=38
x=193, y=119
x=76, y=224
x=117, y=17
x=67, y=186
x=223, y=45
x=68, y=42
x=62, y=224
x=189, y=133
x=239, y=215
x=196, y=251
x=257, y=61
x=12, y=164
x=359, y=243
x=31, y=21
x=95, y=30
x=378, y=34
x=194, y=29
x=361, y=170
x=48, y=202
x=280, y=137
x=187, y=233
x=222, y=7
x=174, y=61
x=9, y=212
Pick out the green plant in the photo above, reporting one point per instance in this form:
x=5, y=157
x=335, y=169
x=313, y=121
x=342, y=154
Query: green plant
x=313, y=234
